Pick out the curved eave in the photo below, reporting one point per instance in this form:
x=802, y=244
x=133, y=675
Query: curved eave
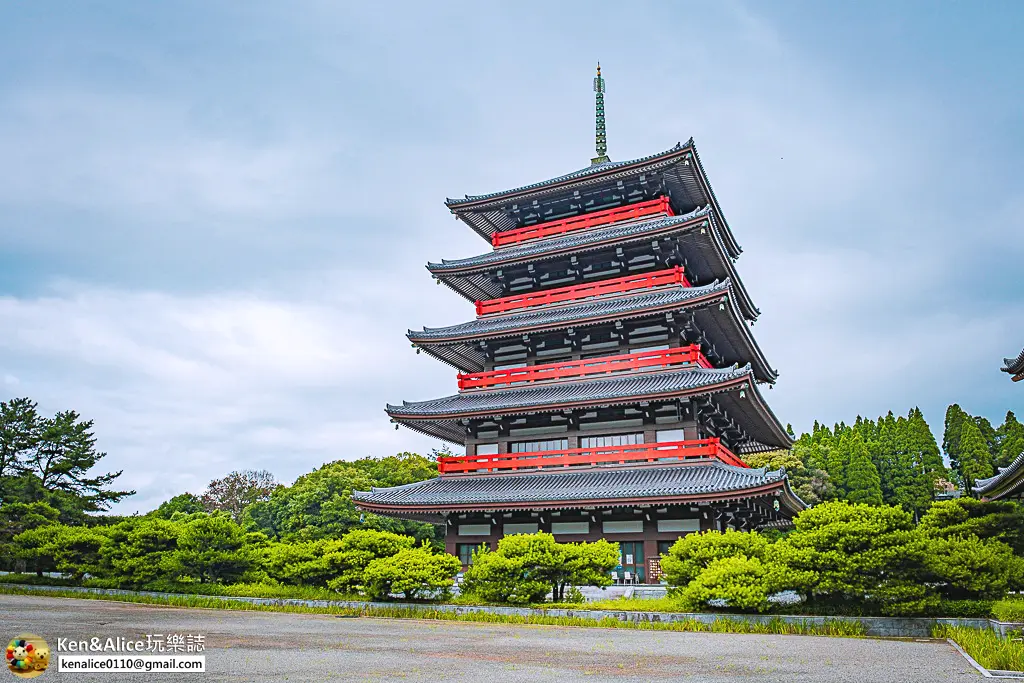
x=774, y=485
x=1014, y=366
x=483, y=201
x=1007, y=484
x=725, y=326
x=476, y=211
x=700, y=231
x=751, y=411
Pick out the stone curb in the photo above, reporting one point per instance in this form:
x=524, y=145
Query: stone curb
x=987, y=673
x=880, y=627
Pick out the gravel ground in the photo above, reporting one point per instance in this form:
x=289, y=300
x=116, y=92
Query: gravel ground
x=265, y=646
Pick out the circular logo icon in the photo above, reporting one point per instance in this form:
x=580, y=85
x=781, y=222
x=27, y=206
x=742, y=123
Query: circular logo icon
x=28, y=655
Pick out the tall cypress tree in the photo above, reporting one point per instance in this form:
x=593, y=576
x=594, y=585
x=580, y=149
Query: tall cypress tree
x=862, y=482
x=1011, y=440
x=924, y=445
x=975, y=459
x=954, y=425
x=989, y=434
x=836, y=457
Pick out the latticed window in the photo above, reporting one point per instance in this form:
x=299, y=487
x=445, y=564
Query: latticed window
x=611, y=440
x=535, y=446
x=465, y=551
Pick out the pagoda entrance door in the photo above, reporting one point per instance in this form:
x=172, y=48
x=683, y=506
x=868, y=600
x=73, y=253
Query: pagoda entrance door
x=631, y=562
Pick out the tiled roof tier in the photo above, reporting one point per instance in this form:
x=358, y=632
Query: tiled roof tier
x=683, y=173
x=1015, y=366
x=725, y=329
x=1007, y=484
x=699, y=234
x=443, y=417
x=699, y=481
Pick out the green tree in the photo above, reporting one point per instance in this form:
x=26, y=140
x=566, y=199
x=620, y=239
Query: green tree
x=1011, y=440
x=858, y=552
x=953, y=426
x=924, y=446
x=812, y=484
x=975, y=458
x=140, y=550
x=73, y=550
x=239, y=489
x=19, y=433
x=354, y=553
x=413, y=572
x=744, y=583
x=837, y=458
x=693, y=553
x=989, y=435
x=182, y=504
x=497, y=578
x=319, y=504
x=999, y=520
x=63, y=457
x=862, y=481
x=526, y=566
x=972, y=568
x=16, y=518
x=211, y=549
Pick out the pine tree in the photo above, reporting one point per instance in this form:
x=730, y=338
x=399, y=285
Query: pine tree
x=862, y=482
x=975, y=459
x=63, y=458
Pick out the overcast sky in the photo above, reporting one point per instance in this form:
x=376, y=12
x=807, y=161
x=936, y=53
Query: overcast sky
x=214, y=216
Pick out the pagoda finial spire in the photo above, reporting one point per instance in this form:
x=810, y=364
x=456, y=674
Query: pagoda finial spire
x=602, y=139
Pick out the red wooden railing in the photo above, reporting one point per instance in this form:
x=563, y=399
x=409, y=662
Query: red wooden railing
x=605, y=365
x=587, y=220
x=617, y=285
x=672, y=451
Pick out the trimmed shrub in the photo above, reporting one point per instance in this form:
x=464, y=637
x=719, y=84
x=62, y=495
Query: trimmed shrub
x=974, y=568
x=496, y=578
x=356, y=550
x=742, y=583
x=526, y=566
x=693, y=553
x=415, y=573
x=211, y=549
x=866, y=553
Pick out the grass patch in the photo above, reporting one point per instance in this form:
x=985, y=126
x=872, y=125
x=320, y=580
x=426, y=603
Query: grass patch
x=623, y=604
x=987, y=647
x=240, y=590
x=776, y=626
x=1009, y=609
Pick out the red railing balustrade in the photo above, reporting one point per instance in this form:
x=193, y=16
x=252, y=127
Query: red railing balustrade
x=670, y=451
x=651, y=207
x=619, y=285
x=589, y=367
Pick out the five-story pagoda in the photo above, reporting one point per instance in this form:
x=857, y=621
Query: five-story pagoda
x=609, y=381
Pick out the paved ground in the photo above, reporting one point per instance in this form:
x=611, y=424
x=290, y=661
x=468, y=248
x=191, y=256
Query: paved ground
x=264, y=646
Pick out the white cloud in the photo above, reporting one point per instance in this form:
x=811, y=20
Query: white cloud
x=304, y=179
x=186, y=388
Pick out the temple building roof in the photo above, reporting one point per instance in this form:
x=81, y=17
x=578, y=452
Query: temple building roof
x=679, y=168
x=1015, y=366
x=615, y=486
x=1009, y=483
x=698, y=233
x=443, y=417
x=725, y=329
